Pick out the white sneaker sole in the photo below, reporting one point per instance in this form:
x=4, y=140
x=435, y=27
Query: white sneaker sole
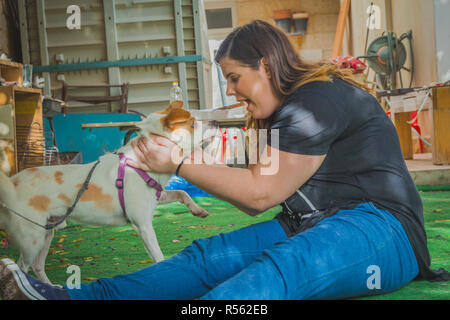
x=22, y=281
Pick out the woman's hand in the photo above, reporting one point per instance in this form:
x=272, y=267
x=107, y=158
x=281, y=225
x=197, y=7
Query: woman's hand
x=156, y=154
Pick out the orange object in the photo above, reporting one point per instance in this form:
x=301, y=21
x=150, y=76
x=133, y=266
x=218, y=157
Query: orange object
x=416, y=126
x=342, y=20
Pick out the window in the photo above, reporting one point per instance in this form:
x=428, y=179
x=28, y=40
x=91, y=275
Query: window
x=219, y=18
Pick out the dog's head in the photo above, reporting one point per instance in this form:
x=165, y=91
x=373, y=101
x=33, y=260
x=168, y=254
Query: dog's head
x=178, y=125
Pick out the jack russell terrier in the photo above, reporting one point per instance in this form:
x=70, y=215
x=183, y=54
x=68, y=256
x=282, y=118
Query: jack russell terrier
x=37, y=196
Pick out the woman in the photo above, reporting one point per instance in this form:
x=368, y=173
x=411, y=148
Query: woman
x=352, y=221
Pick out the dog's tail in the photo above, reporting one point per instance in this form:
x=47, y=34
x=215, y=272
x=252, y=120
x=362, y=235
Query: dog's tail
x=7, y=190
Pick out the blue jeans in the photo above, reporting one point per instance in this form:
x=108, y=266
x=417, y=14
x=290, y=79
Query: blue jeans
x=358, y=252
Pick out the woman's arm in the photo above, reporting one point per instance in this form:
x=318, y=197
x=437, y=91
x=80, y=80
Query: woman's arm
x=253, y=190
x=261, y=186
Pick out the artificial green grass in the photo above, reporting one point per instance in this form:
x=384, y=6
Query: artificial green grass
x=108, y=251
x=444, y=187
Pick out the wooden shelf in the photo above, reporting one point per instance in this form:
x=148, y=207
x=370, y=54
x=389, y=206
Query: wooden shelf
x=11, y=71
x=11, y=64
x=25, y=148
x=27, y=90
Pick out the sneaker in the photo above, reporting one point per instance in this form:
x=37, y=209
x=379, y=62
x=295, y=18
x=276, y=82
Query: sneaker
x=17, y=285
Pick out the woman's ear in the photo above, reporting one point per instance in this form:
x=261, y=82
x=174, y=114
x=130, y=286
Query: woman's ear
x=266, y=67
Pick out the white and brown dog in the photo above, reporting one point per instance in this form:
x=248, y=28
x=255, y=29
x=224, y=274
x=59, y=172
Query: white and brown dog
x=43, y=194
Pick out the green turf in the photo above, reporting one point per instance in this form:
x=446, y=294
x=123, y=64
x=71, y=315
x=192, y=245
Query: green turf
x=445, y=187
x=108, y=251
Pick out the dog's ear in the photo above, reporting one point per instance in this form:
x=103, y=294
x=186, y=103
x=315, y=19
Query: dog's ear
x=174, y=117
x=176, y=104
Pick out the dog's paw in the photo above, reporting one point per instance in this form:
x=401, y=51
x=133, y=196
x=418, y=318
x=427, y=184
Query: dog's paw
x=200, y=212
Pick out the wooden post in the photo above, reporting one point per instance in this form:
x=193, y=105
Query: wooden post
x=340, y=29
x=404, y=133
x=441, y=125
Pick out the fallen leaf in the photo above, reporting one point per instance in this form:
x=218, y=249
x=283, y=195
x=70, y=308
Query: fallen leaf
x=203, y=227
x=125, y=230
x=78, y=240
x=89, y=278
x=145, y=261
x=61, y=240
x=175, y=240
x=58, y=267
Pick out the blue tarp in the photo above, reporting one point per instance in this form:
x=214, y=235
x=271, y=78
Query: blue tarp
x=178, y=183
x=93, y=143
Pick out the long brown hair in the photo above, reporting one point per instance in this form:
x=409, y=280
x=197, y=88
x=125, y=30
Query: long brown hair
x=249, y=43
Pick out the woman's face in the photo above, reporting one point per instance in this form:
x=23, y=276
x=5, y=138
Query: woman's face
x=250, y=85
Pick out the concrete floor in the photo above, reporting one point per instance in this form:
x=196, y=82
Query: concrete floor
x=424, y=172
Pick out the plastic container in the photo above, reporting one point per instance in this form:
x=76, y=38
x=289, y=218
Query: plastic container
x=27, y=75
x=175, y=92
x=283, y=19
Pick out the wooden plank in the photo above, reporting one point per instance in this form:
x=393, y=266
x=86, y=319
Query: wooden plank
x=112, y=49
x=43, y=45
x=8, y=63
x=340, y=29
x=109, y=125
x=24, y=32
x=404, y=133
x=199, y=50
x=180, y=50
x=441, y=125
x=27, y=90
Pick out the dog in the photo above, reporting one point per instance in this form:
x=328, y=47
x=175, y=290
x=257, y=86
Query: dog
x=43, y=194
